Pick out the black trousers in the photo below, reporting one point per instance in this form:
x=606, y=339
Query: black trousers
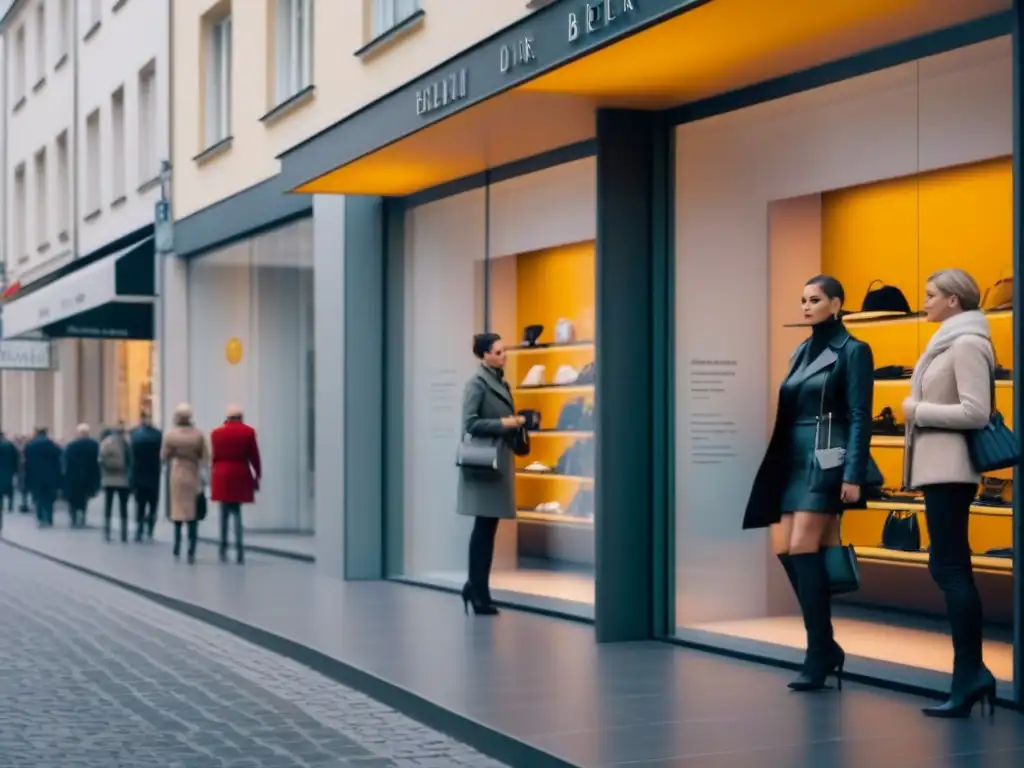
x=122, y=508
x=947, y=511
x=192, y=528
x=481, y=555
x=146, y=500
x=228, y=510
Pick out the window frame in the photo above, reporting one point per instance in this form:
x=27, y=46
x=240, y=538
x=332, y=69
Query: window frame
x=148, y=161
x=217, y=114
x=41, y=182
x=385, y=15
x=62, y=159
x=293, y=48
x=20, y=85
x=118, y=164
x=93, y=163
x=41, y=41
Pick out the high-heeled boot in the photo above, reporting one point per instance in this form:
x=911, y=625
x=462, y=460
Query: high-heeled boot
x=481, y=607
x=970, y=687
x=824, y=656
x=787, y=566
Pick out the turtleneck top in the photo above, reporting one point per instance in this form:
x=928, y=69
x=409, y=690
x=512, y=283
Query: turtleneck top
x=821, y=335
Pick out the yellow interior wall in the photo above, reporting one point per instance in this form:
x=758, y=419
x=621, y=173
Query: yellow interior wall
x=552, y=283
x=900, y=231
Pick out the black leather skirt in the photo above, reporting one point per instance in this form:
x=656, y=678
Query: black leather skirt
x=797, y=495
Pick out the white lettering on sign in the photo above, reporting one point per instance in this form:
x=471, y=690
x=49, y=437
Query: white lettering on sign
x=449, y=89
x=597, y=16
x=516, y=55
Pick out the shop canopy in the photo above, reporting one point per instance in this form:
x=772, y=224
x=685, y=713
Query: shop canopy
x=538, y=84
x=112, y=297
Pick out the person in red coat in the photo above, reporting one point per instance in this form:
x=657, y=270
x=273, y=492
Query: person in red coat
x=235, y=475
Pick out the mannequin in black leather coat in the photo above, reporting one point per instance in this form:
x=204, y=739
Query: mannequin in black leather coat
x=831, y=374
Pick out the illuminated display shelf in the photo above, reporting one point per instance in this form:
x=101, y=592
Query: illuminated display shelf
x=577, y=479
x=533, y=515
x=910, y=506
x=571, y=389
x=569, y=434
x=549, y=348
x=982, y=563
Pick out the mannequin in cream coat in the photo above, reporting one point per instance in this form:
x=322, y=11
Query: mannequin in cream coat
x=951, y=394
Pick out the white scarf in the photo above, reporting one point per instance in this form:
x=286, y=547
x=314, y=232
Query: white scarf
x=972, y=323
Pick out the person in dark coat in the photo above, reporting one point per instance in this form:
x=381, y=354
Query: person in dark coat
x=825, y=401
x=10, y=462
x=81, y=474
x=20, y=442
x=145, y=475
x=488, y=411
x=235, y=474
x=43, y=459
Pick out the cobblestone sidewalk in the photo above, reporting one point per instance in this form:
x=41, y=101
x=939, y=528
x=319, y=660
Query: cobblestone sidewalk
x=92, y=676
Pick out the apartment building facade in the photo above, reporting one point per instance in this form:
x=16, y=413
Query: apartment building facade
x=87, y=128
x=260, y=329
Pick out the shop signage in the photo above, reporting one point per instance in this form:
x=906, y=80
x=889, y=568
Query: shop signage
x=440, y=93
x=25, y=355
x=516, y=55
x=596, y=16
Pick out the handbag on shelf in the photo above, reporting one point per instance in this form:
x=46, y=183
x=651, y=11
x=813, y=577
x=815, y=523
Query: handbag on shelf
x=994, y=446
x=478, y=454
x=902, y=532
x=842, y=568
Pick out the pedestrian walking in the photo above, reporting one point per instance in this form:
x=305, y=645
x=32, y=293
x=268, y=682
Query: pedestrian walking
x=10, y=462
x=81, y=474
x=184, y=447
x=20, y=442
x=115, y=462
x=43, y=475
x=236, y=475
x=145, y=475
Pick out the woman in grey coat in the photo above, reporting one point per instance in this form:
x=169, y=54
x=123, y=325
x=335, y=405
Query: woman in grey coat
x=487, y=411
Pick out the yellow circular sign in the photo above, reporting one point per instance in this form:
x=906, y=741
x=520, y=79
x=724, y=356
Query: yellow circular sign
x=233, y=351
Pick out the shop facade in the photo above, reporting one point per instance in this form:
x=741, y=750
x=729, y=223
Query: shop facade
x=647, y=239
x=98, y=317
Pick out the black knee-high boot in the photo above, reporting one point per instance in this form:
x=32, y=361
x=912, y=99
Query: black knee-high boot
x=787, y=566
x=824, y=656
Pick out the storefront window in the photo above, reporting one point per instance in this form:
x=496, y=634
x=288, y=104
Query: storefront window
x=516, y=259
x=251, y=344
x=879, y=182
x=134, y=362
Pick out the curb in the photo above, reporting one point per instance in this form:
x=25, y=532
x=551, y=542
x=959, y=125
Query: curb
x=483, y=738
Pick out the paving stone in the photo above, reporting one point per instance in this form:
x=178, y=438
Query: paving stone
x=93, y=676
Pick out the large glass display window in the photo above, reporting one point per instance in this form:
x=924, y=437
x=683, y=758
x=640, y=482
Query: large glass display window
x=250, y=322
x=517, y=259
x=879, y=182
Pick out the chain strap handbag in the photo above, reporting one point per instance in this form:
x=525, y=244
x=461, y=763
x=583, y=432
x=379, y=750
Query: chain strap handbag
x=480, y=454
x=827, y=460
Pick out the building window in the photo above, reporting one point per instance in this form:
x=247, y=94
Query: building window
x=64, y=33
x=42, y=197
x=63, y=185
x=20, y=74
x=40, y=41
x=93, y=185
x=95, y=13
x=294, y=48
x=218, y=81
x=389, y=13
x=117, y=168
x=148, y=160
x=20, y=208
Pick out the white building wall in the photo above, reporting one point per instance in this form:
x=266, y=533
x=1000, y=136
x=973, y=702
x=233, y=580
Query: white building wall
x=129, y=41
x=40, y=106
x=84, y=60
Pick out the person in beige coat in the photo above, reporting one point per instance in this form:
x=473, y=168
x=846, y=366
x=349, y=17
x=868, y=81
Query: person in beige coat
x=184, y=447
x=951, y=395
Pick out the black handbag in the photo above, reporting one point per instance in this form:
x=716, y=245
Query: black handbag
x=827, y=461
x=994, y=446
x=842, y=568
x=201, y=505
x=479, y=454
x=902, y=532
x=521, y=442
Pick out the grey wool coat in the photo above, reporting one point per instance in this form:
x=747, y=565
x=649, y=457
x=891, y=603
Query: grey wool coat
x=485, y=402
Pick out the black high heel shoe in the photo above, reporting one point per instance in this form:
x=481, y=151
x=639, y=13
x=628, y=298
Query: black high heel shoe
x=480, y=608
x=978, y=690
x=817, y=668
